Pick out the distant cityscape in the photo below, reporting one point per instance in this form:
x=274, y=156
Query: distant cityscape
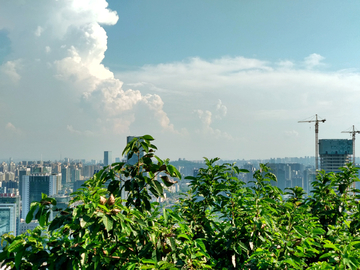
x=23, y=182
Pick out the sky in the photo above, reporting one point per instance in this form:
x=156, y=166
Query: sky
x=205, y=78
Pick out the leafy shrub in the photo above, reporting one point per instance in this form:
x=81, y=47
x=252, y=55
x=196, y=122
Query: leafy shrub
x=220, y=223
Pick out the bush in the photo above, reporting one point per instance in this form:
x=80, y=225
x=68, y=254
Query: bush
x=220, y=223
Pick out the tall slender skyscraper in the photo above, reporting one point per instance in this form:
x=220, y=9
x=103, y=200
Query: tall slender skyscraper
x=107, y=158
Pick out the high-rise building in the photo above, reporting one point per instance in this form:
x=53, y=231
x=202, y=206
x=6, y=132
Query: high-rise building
x=33, y=186
x=22, y=171
x=3, y=167
x=309, y=178
x=12, y=167
x=248, y=177
x=9, y=213
x=8, y=220
x=65, y=175
x=107, y=158
x=335, y=153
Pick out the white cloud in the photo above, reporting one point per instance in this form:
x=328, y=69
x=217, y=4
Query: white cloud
x=10, y=126
x=291, y=133
x=12, y=130
x=122, y=125
x=221, y=109
x=206, y=128
x=313, y=60
x=9, y=71
x=262, y=99
x=205, y=117
x=71, y=129
x=286, y=64
x=156, y=104
x=58, y=78
x=38, y=31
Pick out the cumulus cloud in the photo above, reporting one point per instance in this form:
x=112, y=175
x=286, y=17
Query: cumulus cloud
x=156, y=104
x=221, y=109
x=205, y=117
x=65, y=47
x=9, y=71
x=206, y=128
x=313, y=60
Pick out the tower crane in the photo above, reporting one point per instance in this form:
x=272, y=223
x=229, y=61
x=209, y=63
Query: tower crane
x=353, y=132
x=317, y=121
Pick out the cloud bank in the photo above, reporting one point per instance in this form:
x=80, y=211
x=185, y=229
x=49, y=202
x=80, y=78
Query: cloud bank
x=55, y=68
x=256, y=103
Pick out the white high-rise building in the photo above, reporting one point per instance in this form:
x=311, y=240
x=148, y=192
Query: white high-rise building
x=8, y=218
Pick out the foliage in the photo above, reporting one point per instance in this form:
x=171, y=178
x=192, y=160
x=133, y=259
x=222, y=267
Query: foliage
x=220, y=223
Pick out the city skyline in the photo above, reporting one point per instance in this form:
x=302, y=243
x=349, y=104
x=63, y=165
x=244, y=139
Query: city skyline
x=204, y=78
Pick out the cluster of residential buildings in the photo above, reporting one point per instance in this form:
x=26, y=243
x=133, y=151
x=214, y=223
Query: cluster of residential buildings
x=23, y=182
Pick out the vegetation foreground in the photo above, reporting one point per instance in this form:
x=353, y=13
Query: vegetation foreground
x=221, y=223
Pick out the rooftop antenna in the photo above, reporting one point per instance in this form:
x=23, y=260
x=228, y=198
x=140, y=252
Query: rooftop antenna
x=317, y=120
x=353, y=132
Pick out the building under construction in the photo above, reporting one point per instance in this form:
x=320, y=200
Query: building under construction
x=335, y=153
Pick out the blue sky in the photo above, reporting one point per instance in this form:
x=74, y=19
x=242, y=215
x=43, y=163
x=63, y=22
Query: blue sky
x=205, y=78
x=153, y=32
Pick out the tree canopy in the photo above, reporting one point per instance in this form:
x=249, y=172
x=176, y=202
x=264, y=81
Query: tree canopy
x=220, y=223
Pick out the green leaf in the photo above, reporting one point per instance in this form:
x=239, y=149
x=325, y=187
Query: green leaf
x=148, y=138
x=108, y=222
x=56, y=223
x=30, y=215
x=167, y=181
x=158, y=187
x=165, y=216
x=318, y=231
x=148, y=261
x=182, y=235
x=201, y=245
x=291, y=262
x=172, y=243
x=342, y=188
x=18, y=258
x=16, y=245
x=43, y=219
x=331, y=245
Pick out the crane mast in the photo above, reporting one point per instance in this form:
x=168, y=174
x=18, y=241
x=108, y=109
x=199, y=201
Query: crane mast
x=317, y=121
x=353, y=133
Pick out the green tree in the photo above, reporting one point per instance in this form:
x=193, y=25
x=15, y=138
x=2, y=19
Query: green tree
x=220, y=223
